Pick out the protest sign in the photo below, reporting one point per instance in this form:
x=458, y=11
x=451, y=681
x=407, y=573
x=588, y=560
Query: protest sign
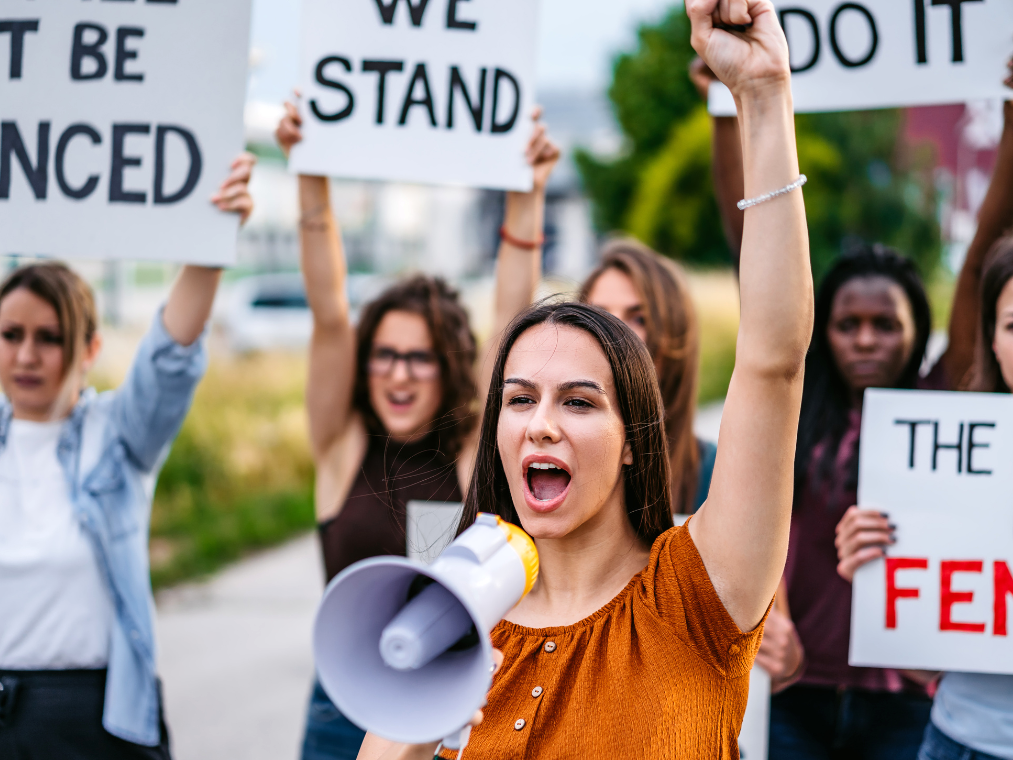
x=118, y=121
x=939, y=465
x=430, y=91
x=848, y=56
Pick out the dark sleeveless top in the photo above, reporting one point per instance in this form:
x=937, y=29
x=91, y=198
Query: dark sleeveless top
x=372, y=522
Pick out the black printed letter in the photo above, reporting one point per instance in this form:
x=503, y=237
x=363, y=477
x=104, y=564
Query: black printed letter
x=18, y=30
x=123, y=55
x=120, y=162
x=795, y=68
x=411, y=100
x=61, y=152
x=845, y=61
x=477, y=112
x=11, y=142
x=956, y=25
x=505, y=126
x=325, y=82
x=192, y=177
x=416, y=8
x=93, y=50
x=382, y=68
x=452, y=20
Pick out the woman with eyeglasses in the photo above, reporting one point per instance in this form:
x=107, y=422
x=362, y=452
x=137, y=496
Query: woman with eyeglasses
x=393, y=402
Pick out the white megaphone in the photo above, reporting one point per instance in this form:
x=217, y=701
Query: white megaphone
x=403, y=648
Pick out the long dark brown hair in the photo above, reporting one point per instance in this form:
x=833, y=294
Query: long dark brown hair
x=987, y=374
x=69, y=295
x=453, y=343
x=827, y=401
x=673, y=340
x=646, y=483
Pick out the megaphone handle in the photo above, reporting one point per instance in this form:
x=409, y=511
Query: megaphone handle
x=458, y=740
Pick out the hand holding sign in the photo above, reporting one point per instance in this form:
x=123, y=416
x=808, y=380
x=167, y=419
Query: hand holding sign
x=234, y=194
x=940, y=598
x=862, y=536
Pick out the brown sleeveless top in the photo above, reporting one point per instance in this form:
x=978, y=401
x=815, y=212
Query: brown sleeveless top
x=372, y=522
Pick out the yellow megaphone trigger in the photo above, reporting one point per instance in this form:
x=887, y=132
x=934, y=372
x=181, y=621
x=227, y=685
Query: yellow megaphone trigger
x=521, y=543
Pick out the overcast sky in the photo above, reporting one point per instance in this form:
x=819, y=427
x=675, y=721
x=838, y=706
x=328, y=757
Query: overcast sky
x=578, y=39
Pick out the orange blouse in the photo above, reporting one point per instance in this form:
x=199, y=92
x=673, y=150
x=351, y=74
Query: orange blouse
x=662, y=671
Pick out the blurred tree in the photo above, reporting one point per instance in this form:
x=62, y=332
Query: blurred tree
x=864, y=180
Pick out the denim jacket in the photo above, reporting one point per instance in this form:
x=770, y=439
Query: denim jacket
x=111, y=448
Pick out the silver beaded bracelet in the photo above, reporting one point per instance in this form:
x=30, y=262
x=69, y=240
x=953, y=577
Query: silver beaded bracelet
x=744, y=204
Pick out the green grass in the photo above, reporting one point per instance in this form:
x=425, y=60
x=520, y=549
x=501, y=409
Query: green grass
x=239, y=476
x=716, y=297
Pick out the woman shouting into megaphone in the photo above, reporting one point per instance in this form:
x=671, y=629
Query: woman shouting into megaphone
x=638, y=637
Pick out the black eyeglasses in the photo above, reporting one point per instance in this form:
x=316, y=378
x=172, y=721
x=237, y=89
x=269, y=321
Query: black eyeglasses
x=421, y=365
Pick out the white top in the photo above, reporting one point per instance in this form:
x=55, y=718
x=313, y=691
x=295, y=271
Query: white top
x=976, y=710
x=55, y=610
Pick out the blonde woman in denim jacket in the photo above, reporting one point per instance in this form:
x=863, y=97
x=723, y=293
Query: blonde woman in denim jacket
x=77, y=476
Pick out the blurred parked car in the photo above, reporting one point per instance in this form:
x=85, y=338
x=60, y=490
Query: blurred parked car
x=270, y=312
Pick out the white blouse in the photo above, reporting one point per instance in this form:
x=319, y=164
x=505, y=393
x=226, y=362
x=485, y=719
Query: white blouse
x=55, y=610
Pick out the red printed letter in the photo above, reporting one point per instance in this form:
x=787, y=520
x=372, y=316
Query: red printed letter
x=1003, y=586
x=893, y=564
x=948, y=597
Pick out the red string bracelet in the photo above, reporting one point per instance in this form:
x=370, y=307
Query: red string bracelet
x=526, y=245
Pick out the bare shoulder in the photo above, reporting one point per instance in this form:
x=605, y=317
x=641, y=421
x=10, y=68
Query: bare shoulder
x=338, y=466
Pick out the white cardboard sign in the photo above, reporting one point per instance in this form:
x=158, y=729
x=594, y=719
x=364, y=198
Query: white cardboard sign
x=939, y=464
x=119, y=121
x=849, y=56
x=429, y=91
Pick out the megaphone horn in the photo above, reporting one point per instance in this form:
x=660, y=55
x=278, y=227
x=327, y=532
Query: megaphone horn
x=403, y=649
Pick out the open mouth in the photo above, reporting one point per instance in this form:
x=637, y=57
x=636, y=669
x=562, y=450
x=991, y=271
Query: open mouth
x=546, y=481
x=401, y=401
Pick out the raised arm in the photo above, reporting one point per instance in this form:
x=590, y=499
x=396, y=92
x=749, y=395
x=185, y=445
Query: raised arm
x=519, y=260
x=726, y=163
x=193, y=293
x=518, y=269
x=155, y=397
x=742, y=530
x=325, y=272
x=994, y=220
